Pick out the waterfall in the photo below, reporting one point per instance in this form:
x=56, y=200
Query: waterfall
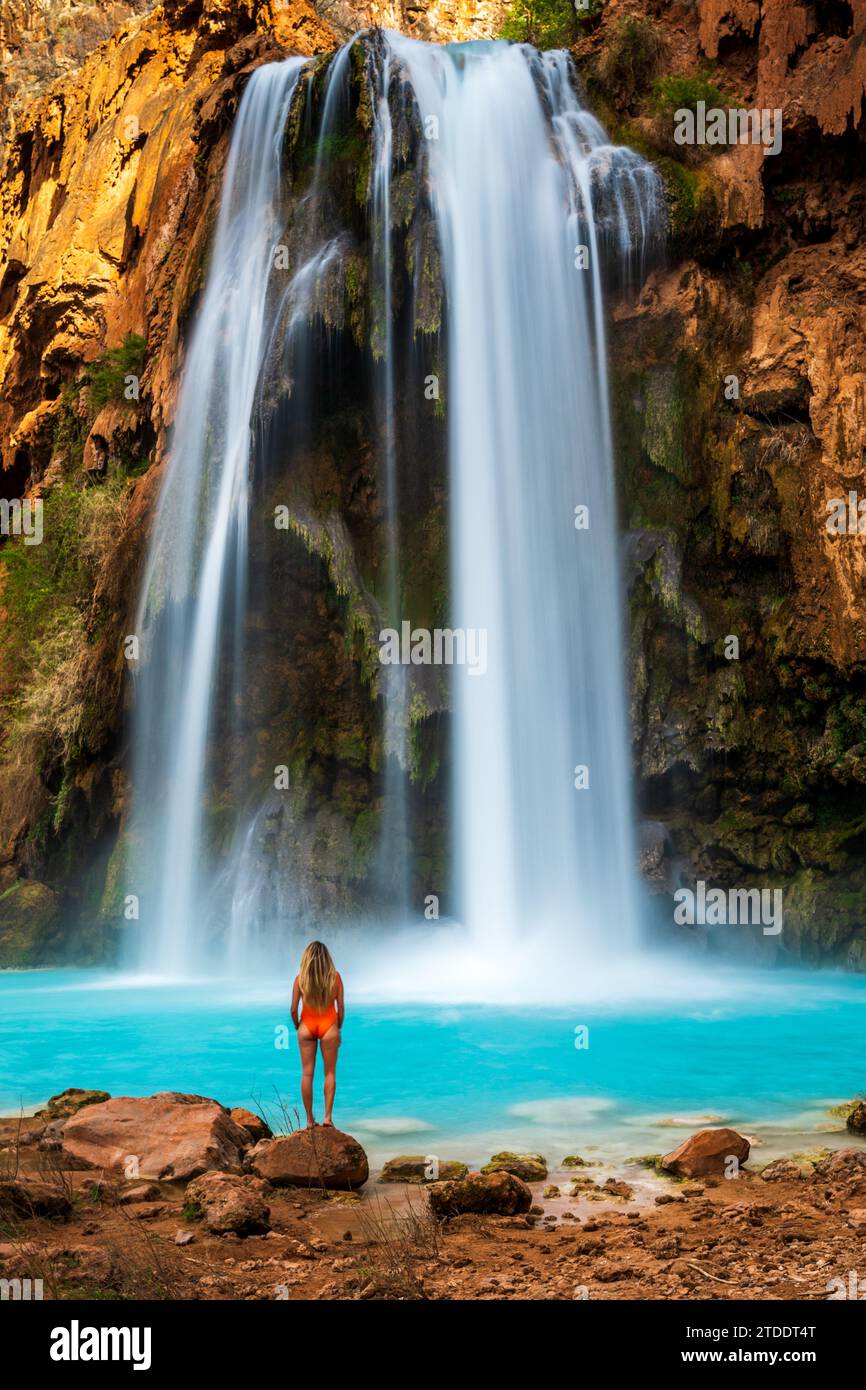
x=194, y=586
x=535, y=212
x=526, y=189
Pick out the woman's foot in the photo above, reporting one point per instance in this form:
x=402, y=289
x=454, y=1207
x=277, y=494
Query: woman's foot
x=311, y=1123
x=328, y=1124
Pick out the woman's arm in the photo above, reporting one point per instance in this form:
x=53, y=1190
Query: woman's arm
x=341, y=1003
x=296, y=1000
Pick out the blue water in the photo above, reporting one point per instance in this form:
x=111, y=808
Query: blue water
x=769, y=1058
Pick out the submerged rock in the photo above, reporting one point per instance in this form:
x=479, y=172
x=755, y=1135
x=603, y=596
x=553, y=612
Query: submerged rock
x=708, y=1151
x=170, y=1135
x=489, y=1194
x=529, y=1167
x=320, y=1157
x=232, y=1204
x=417, y=1168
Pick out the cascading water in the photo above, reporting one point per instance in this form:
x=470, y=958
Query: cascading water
x=532, y=208
x=195, y=582
x=521, y=180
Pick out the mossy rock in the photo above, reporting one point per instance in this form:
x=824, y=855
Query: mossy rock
x=529, y=1167
x=418, y=1169
x=69, y=1102
x=856, y=1120
x=29, y=924
x=575, y=1161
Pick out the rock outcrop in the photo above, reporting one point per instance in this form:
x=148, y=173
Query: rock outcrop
x=321, y=1157
x=167, y=1136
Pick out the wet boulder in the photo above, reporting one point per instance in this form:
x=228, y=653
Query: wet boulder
x=529, y=1167
x=707, y=1151
x=419, y=1169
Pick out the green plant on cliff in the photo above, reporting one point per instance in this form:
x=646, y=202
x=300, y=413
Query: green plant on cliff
x=108, y=374
x=547, y=23
x=629, y=58
x=680, y=92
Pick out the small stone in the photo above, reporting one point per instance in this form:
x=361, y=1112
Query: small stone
x=184, y=1238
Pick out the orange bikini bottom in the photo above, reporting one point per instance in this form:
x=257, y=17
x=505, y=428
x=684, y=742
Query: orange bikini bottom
x=319, y=1024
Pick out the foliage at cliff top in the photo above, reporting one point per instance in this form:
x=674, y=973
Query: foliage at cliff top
x=548, y=23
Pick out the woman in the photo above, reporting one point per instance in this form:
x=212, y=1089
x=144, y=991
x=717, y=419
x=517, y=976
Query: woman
x=321, y=989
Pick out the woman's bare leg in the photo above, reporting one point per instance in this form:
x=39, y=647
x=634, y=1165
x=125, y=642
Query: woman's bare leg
x=330, y=1045
x=307, y=1045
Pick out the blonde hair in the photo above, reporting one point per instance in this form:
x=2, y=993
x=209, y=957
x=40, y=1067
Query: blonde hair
x=317, y=976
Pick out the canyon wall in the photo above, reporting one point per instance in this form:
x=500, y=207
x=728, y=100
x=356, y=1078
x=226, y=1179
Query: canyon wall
x=739, y=411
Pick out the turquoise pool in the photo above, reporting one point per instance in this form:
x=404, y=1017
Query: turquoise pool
x=769, y=1058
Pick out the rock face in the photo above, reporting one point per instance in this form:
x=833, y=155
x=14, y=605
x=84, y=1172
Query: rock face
x=231, y=1204
x=529, y=1167
x=487, y=1194
x=418, y=1169
x=170, y=1136
x=737, y=387
x=320, y=1157
x=708, y=1151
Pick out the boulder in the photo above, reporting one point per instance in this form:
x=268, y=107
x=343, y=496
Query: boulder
x=69, y=1102
x=170, y=1135
x=31, y=1197
x=529, y=1167
x=320, y=1157
x=488, y=1194
x=707, y=1151
x=254, y=1125
x=140, y=1192
x=417, y=1168
x=232, y=1204
x=782, y=1170
x=856, y=1121
x=845, y=1165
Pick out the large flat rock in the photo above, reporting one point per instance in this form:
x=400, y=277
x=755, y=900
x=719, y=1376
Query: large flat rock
x=170, y=1135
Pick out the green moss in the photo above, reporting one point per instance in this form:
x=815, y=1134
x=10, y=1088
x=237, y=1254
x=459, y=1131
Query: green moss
x=365, y=840
x=691, y=200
